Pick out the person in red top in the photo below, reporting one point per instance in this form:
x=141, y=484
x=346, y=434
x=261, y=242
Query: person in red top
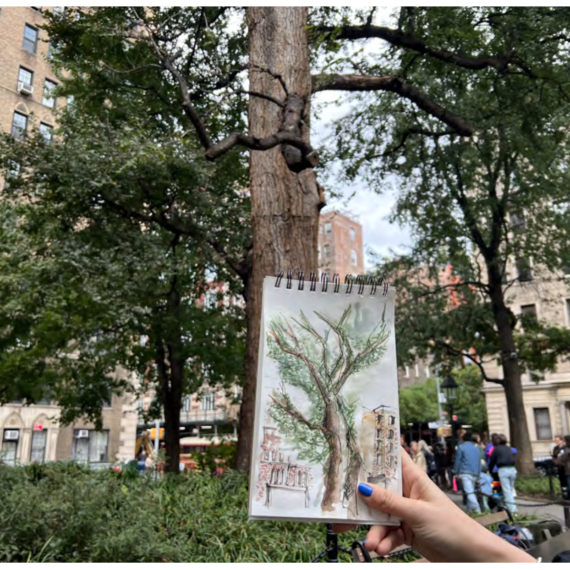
x=403, y=444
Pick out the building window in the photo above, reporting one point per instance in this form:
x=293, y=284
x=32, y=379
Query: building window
x=542, y=422
x=46, y=132
x=407, y=372
x=319, y=252
x=19, y=125
x=39, y=441
x=352, y=234
x=353, y=258
x=417, y=371
x=49, y=99
x=327, y=251
x=568, y=311
x=208, y=401
x=90, y=446
x=30, y=39
x=528, y=311
x=9, y=451
x=426, y=370
x=25, y=77
x=328, y=228
x=320, y=228
x=523, y=270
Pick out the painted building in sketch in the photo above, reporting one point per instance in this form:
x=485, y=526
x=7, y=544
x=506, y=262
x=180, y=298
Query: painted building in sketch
x=277, y=473
x=379, y=444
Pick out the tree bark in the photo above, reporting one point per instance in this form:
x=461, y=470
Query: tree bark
x=518, y=427
x=284, y=204
x=336, y=440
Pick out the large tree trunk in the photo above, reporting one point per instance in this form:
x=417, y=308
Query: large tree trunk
x=518, y=427
x=172, y=405
x=334, y=469
x=284, y=204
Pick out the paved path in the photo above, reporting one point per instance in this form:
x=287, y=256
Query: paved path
x=541, y=512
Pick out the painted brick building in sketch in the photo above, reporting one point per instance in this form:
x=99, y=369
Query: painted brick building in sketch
x=277, y=472
x=381, y=458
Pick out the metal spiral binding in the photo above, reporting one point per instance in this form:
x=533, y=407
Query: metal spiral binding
x=376, y=284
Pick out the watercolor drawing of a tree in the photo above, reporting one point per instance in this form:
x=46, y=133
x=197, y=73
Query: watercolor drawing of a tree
x=320, y=365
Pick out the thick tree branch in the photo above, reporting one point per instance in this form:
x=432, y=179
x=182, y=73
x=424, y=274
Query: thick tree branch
x=310, y=155
x=324, y=82
x=409, y=41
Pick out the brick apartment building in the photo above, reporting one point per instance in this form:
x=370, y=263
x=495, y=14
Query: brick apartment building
x=340, y=245
x=32, y=432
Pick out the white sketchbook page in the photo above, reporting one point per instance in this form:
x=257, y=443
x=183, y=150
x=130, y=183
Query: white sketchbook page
x=290, y=460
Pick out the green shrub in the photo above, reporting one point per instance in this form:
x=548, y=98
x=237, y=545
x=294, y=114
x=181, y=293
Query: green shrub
x=67, y=513
x=535, y=485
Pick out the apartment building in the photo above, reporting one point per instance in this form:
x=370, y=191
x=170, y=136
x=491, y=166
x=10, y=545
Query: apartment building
x=33, y=432
x=340, y=245
x=546, y=396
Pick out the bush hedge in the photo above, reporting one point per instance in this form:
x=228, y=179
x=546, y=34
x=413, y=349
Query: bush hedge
x=68, y=513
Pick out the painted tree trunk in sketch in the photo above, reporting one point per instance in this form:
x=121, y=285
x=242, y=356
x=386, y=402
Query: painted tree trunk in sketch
x=334, y=472
x=284, y=204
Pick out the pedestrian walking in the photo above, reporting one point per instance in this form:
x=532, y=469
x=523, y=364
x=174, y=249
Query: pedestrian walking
x=428, y=454
x=468, y=468
x=439, y=457
x=418, y=457
x=558, y=447
x=503, y=458
x=404, y=444
x=563, y=459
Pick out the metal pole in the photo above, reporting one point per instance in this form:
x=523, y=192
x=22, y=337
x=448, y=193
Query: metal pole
x=332, y=545
x=156, y=439
x=438, y=398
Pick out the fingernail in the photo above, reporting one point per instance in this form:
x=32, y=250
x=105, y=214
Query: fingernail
x=364, y=489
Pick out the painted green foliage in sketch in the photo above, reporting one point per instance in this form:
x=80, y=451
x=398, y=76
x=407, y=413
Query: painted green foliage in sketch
x=320, y=364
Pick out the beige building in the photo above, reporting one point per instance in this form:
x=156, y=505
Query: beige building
x=340, y=245
x=546, y=397
x=32, y=432
x=26, y=78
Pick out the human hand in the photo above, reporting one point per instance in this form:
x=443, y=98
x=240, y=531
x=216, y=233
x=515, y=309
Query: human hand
x=431, y=523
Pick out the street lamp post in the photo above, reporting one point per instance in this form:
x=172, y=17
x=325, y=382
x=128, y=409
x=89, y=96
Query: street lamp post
x=410, y=425
x=449, y=388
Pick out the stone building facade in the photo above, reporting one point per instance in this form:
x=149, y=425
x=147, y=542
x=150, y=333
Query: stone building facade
x=546, y=397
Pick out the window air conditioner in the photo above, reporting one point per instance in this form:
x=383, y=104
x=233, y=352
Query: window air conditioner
x=82, y=433
x=25, y=88
x=11, y=435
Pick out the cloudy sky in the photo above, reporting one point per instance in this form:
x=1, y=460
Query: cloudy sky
x=370, y=208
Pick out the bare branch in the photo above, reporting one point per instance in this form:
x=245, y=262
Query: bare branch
x=261, y=96
x=324, y=82
x=310, y=156
x=456, y=352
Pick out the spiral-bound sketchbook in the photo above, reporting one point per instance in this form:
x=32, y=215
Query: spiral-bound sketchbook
x=327, y=400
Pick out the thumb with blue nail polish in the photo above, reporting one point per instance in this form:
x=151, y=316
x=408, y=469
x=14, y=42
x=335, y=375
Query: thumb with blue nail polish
x=364, y=489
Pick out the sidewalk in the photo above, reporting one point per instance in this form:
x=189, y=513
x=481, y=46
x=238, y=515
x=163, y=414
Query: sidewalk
x=555, y=512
